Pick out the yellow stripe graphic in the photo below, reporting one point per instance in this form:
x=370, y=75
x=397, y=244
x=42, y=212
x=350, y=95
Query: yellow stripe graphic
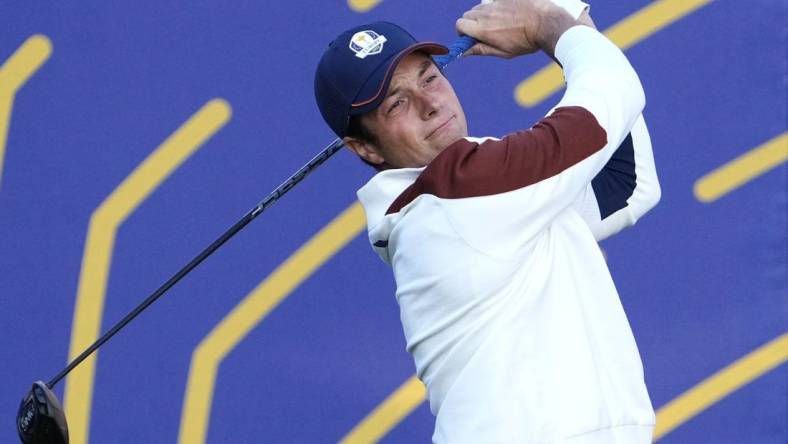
x=720, y=385
x=362, y=5
x=99, y=245
x=250, y=312
x=397, y=406
x=22, y=64
x=743, y=169
x=388, y=414
x=625, y=34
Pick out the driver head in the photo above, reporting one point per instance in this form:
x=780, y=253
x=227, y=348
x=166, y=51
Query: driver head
x=40, y=419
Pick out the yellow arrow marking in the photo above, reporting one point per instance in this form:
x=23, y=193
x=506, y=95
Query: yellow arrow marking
x=104, y=224
x=720, y=385
x=393, y=410
x=743, y=169
x=22, y=64
x=362, y=5
x=250, y=312
x=409, y=395
x=388, y=414
x=625, y=34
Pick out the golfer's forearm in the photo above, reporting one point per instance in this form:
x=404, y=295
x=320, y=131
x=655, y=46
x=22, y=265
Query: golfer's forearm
x=601, y=80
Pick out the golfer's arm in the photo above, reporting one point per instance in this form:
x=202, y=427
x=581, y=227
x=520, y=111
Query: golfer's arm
x=625, y=189
x=602, y=81
x=528, y=178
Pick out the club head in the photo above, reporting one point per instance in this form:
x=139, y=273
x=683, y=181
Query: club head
x=40, y=419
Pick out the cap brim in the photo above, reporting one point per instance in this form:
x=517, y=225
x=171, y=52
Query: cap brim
x=374, y=91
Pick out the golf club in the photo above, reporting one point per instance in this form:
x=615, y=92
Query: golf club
x=40, y=418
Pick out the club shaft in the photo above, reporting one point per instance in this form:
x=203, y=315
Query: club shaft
x=269, y=200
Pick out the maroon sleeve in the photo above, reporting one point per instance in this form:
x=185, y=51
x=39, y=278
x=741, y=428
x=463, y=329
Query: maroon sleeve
x=467, y=169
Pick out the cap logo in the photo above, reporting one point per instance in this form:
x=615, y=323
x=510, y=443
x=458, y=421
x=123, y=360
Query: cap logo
x=366, y=43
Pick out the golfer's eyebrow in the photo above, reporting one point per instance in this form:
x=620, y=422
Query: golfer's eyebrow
x=393, y=91
x=425, y=65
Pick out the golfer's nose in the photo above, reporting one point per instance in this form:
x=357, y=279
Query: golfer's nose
x=430, y=105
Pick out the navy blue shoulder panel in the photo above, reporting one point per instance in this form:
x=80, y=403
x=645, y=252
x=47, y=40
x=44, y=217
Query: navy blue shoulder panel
x=616, y=182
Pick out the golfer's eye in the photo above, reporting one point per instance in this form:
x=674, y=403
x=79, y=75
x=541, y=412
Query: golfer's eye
x=431, y=78
x=395, y=105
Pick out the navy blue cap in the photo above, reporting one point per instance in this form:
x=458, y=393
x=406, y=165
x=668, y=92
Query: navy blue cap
x=354, y=74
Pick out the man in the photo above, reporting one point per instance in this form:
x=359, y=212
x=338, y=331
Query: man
x=507, y=304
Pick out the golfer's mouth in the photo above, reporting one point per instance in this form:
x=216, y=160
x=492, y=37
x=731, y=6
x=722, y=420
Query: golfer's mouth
x=441, y=128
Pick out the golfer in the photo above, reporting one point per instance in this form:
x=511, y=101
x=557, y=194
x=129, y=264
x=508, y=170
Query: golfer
x=507, y=304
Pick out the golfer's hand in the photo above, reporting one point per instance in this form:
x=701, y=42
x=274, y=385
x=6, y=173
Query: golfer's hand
x=509, y=28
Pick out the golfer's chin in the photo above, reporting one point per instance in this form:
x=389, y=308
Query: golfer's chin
x=445, y=140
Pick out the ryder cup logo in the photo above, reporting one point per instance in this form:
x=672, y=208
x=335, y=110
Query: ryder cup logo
x=366, y=43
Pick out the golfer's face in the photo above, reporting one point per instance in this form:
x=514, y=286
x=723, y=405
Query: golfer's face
x=420, y=116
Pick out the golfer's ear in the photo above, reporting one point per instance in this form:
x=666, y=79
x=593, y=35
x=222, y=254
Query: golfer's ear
x=364, y=150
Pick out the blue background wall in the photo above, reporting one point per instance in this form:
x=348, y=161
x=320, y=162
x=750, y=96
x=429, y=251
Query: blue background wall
x=703, y=283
